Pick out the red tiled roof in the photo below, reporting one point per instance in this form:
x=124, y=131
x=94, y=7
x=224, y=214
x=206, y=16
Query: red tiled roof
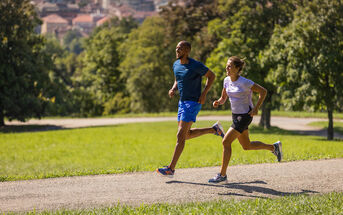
x=83, y=18
x=144, y=14
x=54, y=18
x=102, y=21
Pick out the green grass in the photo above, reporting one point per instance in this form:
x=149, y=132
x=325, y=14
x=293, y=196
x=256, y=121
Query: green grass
x=294, y=114
x=297, y=114
x=138, y=147
x=338, y=126
x=330, y=203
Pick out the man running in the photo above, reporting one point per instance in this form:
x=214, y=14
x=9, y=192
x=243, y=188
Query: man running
x=188, y=77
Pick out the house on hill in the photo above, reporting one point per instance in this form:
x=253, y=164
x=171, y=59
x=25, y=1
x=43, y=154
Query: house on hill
x=102, y=21
x=54, y=24
x=67, y=11
x=84, y=23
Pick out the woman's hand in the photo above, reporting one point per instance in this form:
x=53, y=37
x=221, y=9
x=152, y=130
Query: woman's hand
x=253, y=112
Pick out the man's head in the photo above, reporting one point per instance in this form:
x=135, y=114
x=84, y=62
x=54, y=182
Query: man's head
x=183, y=49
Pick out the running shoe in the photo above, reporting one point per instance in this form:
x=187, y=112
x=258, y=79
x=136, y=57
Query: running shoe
x=278, y=150
x=218, y=178
x=166, y=171
x=219, y=129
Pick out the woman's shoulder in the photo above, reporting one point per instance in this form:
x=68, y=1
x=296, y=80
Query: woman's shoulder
x=227, y=79
x=246, y=81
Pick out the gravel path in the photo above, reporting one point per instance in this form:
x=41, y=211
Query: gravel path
x=245, y=181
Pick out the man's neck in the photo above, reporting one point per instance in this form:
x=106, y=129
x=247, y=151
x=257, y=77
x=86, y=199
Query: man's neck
x=184, y=60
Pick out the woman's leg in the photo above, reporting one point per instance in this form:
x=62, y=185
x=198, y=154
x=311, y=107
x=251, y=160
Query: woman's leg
x=253, y=145
x=230, y=136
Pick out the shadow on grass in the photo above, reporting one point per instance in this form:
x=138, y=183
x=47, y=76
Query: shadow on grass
x=254, y=129
x=40, y=128
x=247, y=188
x=278, y=131
x=28, y=128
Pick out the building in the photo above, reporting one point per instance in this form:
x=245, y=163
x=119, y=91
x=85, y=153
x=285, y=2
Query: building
x=84, y=23
x=140, y=5
x=54, y=24
x=102, y=21
x=67, y=11
x=160, y=3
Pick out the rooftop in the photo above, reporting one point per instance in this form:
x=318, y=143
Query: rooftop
x=102, y=21
x=54, y=18
x=83, y=18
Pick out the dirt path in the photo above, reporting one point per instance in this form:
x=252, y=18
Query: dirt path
x=246, y=181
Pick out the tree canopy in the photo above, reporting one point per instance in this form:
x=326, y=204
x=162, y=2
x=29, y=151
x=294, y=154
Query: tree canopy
x=23, y=72
x=306, y=59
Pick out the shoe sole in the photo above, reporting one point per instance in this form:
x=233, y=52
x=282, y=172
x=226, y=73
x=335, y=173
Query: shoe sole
x=221, y=182
x=167, y=176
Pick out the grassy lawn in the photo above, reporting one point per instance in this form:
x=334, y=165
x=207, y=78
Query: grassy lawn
x=330, y=203
x=338, y=126
x=138, y=147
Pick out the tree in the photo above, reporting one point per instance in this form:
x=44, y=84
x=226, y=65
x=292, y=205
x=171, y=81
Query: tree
x=62, y=68
x=306, y=59
x=72, y=40
x=99, y=77
x=147, y=67
x=245, y=28
x=189, y=22
x=23, y=65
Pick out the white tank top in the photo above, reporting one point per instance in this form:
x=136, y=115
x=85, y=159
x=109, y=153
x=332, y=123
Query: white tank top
x=239, y=93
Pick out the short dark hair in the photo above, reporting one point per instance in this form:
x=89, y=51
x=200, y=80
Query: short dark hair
x=186, y=44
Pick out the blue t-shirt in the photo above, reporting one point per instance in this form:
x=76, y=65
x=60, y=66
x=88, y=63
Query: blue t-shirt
x=188, y=77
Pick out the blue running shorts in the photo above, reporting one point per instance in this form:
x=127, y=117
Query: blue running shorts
x=188, y=111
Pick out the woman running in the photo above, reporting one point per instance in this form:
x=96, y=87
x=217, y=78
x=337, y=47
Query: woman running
x=239, y=90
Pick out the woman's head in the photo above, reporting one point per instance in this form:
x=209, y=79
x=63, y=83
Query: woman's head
x=234, y=65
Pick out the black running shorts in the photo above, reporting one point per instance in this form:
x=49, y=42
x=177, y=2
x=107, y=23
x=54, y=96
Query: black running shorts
x=241, y=122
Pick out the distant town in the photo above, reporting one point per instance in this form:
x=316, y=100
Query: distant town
x=60, y=16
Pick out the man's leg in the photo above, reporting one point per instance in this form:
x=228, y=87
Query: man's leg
x=196, y=132
x=253, y=145
x=184, y=128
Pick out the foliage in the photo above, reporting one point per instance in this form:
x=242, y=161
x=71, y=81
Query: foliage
x=146, y=67
x=72, y=40
x=23, y=65
x=98, y=76
x=245, y=28
x=189, y=22
x=307, y=58
x=63, y=67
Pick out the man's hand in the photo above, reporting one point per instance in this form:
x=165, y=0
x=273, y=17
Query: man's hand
x=171, y=93
x=215, y=104
x=202, y=98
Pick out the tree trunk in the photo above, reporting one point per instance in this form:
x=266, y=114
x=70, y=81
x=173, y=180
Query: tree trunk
x=265, y=117
x=2, y=120
x=330, y=126
x=262, y=121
